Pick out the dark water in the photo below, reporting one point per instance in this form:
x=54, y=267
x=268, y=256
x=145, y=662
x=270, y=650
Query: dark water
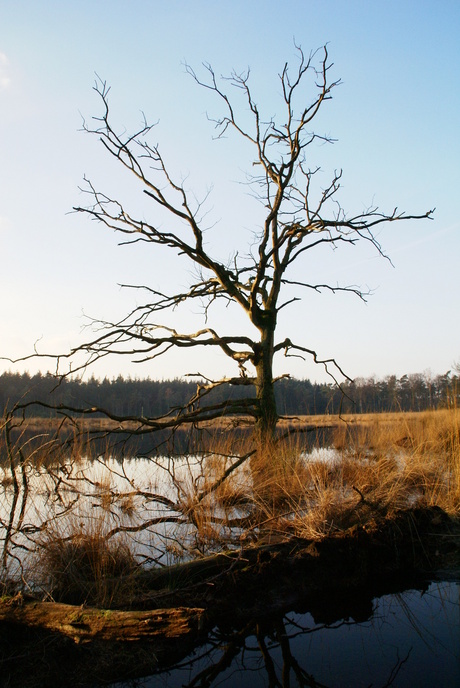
x=408, y=639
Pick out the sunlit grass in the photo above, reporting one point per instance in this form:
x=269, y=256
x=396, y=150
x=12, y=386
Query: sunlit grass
x=373, y=466
x=76, y=563
x=386, y=463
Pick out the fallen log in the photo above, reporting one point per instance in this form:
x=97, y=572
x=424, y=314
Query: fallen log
x=84, y=624
x=176, y=601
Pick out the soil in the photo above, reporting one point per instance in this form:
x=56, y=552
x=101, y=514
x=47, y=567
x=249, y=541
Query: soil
x=44, y=643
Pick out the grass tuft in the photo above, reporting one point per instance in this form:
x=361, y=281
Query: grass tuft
x=86, y=567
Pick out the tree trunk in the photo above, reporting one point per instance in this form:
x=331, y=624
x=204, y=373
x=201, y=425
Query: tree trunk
x=85, y=624
x=267, y=414
x=264, y=460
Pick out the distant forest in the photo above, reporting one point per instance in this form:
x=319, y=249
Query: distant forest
x=150, y=398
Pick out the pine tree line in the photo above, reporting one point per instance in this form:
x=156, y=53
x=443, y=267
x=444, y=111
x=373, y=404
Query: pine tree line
x=127, y=396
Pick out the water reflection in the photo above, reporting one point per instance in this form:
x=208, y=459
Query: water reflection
x=410, y=639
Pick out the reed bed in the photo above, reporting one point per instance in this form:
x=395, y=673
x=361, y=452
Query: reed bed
x=382, y=463
x=373, y=466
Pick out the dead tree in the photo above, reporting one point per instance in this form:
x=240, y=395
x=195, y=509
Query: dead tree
x=298, y=220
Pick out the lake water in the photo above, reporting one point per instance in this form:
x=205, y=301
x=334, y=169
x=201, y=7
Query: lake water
x=405, y=639
x=409, y=639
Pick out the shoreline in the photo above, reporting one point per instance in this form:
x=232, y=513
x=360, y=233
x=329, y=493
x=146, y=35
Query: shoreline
x=173, y=610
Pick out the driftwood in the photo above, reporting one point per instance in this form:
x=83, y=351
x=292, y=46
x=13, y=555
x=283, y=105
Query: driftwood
x=84, y=624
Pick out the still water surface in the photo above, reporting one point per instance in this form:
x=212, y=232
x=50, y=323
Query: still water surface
x=406, y=640
x=410, y=639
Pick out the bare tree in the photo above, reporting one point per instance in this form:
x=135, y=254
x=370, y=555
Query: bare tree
x=297, y=220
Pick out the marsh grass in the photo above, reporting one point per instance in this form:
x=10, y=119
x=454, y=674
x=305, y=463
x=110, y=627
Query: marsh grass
x=374, y=466
x=377, y=464
x=83, y=566
x=236, y=489
x=386, y=463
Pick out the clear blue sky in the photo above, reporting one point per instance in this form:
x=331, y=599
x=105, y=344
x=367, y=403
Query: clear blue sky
x=396, y=118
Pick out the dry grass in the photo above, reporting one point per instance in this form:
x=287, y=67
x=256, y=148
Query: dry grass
x=383, y=464
x=82, y=566
x=379, y=464
x=234, y=491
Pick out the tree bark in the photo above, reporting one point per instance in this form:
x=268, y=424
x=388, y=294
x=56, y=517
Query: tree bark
x=84, y=624
x=267, y=414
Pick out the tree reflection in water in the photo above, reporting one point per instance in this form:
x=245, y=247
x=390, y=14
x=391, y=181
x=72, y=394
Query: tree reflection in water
x=264, y=649
x=399, y=640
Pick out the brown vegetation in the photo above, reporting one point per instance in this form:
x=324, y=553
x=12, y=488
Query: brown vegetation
x=85, y=544
x=244, y=530
x=86, y=568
